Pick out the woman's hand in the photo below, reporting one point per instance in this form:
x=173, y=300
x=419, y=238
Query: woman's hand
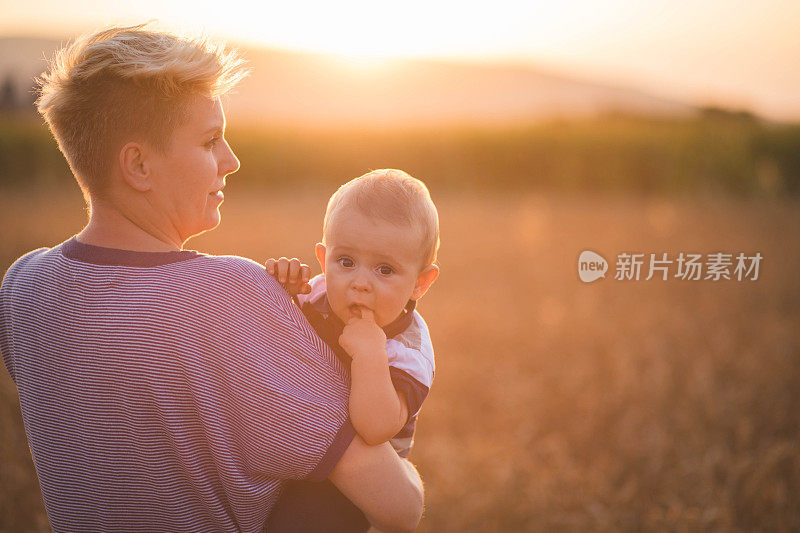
x=290, y=273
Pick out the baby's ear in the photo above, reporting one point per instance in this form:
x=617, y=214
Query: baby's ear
x=424, y=281
x=320, y=250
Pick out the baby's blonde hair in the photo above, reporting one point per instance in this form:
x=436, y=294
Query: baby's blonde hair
x=127, y=81
x=394, y=196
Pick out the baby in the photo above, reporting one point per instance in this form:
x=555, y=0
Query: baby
x=379, y=245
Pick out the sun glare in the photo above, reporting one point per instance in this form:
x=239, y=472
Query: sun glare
x=358, y=29
x=361, y=63
x=682, y=50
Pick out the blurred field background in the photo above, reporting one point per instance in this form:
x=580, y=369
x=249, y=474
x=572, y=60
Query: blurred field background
x=713, y=151
x=557, y=405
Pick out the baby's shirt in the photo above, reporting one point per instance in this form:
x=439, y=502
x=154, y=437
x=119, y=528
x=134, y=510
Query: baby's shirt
x=408, y=347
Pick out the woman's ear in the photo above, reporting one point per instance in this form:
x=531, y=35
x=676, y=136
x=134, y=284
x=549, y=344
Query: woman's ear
x=424, y=281
x=135, y=170
x=320, y=250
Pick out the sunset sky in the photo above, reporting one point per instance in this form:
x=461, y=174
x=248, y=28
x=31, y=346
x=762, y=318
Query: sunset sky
x=736, y=53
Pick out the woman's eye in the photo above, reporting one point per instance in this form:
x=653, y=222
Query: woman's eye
x=210, y=144
x=346, y=262
x=385, y=270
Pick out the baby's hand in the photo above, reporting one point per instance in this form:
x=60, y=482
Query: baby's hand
x=290, y=273
x=362, y=337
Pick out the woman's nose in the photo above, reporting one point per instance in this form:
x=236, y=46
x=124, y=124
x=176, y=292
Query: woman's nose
x=229, y=162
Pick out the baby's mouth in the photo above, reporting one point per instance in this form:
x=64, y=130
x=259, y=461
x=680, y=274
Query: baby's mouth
x=355, y=310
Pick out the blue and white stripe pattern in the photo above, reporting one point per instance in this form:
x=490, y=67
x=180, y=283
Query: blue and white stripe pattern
x=169, y=391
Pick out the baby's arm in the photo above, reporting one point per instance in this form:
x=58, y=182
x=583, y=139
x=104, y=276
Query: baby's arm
x=377, y=411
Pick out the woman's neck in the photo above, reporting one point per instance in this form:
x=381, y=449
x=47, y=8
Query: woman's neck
x=112, y=228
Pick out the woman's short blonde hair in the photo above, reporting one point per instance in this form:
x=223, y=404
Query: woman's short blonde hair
x=122, y=83
x=391, y=195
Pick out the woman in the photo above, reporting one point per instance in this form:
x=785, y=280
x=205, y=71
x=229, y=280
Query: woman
x=158, y=386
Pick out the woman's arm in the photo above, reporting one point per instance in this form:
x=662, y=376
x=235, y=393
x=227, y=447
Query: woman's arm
x=387, y=489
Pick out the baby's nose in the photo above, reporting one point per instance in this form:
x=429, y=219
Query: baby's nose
x=360, y=282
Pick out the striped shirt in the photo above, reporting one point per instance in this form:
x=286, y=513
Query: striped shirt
x=166, y=391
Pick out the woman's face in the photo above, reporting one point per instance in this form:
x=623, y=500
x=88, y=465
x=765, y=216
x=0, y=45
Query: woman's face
x=188, y=180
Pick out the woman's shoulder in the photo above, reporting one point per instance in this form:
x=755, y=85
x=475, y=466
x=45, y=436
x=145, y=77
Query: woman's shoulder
x=25, y=263
x=232, y=265
x=239, y=274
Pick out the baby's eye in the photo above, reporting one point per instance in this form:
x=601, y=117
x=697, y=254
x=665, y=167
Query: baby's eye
x=346, y=262
x=385, y=270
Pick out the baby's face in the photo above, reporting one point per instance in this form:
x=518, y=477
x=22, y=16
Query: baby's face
x=369, y=263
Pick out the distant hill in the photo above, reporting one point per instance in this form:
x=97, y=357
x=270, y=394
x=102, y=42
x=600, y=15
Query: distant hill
x=318, y=90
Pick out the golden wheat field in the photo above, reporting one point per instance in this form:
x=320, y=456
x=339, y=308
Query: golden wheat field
x=557, y=405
